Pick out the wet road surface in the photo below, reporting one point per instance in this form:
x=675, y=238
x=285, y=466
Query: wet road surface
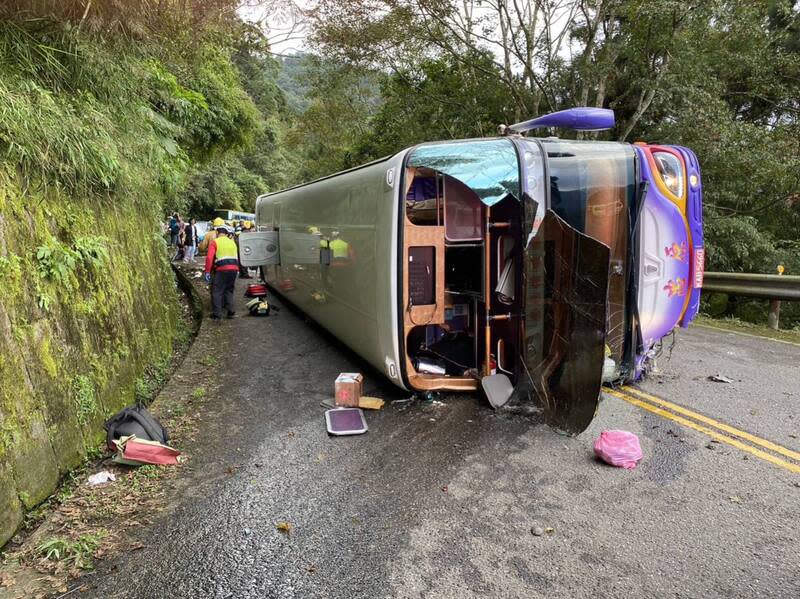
x=440, y=500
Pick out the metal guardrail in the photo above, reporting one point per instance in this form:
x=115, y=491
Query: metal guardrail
x=774, y=287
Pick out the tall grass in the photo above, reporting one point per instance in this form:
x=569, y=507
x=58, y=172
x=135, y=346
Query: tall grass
x=92, y=116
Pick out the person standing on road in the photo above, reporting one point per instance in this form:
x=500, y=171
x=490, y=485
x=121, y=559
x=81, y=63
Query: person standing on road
x=180, y=244
x=173, y=229
x=223, y=260
x=191, y=241
x=210, y=234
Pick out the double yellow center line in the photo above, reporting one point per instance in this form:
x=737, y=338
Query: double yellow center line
x=718, y=431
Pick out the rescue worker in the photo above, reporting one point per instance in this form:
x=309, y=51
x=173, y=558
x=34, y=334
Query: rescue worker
x=210, y=235
x=340, y=250
x=223, y=260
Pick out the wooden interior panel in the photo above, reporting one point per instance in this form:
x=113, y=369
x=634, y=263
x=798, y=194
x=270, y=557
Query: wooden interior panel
x=424, y=237
x=431, y=236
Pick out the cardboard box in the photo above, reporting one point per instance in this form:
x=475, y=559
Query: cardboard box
x=348, y=389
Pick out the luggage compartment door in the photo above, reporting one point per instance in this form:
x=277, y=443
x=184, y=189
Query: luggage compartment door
x=259, y=249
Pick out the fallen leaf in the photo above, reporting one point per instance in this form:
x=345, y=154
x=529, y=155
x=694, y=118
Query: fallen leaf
x=284, y=527
x=549, y=530
x=735, y=499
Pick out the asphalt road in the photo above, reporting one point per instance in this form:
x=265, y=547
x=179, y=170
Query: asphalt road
x=440, y=500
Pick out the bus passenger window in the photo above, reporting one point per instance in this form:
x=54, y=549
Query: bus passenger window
x=424, y=204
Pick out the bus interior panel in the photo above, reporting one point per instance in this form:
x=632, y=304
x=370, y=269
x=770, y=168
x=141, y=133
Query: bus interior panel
x=461, y=315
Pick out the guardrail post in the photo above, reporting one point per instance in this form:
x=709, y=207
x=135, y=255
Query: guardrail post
x=773, y=319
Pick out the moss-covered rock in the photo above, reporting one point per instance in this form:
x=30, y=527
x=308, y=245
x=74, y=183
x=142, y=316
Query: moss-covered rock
x=87, y=306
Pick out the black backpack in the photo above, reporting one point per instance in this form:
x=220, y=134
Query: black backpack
x=134, y=420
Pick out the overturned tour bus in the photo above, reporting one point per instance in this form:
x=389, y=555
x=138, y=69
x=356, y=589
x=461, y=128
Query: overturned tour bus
x=522, y=266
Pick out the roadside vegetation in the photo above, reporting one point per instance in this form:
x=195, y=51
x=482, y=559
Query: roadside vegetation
x=111, y=114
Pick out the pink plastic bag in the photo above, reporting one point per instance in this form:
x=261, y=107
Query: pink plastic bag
x=618, y=448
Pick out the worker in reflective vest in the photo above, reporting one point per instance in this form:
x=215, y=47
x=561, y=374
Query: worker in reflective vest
x=223, y=260
x=340, y=251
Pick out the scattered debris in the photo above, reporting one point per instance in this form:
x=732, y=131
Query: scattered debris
x=258, y=307
x=348, y=388
x=538, y=531
x=101, y=478
x=792, y=436
x=498, y=389
x=311, y=568
x=136, y=452
x=257, y=290
x=345, y=421
x=403, y=404
x=370, y=403
x=444, y=489
x=710, y=446
x=735, y=499
x=6, y=580
x=134, y=421
x=720, y=378
x=618, y=448
x=284, y=527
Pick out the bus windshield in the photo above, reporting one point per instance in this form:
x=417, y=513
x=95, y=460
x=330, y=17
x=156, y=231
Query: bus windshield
x=593, y=188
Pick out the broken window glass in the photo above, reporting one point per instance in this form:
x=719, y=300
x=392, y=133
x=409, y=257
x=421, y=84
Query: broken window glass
x=489, y=167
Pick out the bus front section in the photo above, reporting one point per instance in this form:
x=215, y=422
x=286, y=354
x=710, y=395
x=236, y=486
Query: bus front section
x=545, y=267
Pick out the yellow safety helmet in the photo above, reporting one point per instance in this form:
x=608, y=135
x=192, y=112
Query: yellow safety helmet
x=218, y=222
